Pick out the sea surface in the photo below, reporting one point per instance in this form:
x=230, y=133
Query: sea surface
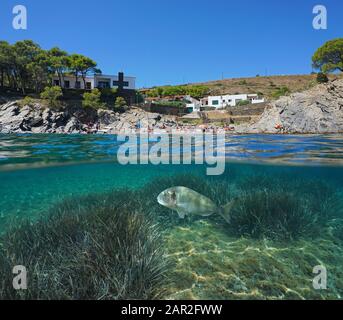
x=287, y=221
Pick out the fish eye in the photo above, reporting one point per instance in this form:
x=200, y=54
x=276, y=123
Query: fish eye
x=173, y=195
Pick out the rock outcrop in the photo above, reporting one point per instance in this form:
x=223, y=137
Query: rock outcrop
x=38, y=119
x=318, y=110
x=115, y=122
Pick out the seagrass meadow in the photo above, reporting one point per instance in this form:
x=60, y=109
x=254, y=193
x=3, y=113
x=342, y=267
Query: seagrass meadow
x=86, y=227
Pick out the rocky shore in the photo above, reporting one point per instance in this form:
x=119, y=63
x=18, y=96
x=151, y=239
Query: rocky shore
x=318, y=110
x=39, y=119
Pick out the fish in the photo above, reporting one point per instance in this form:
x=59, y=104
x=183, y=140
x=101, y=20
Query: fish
x=186, y=201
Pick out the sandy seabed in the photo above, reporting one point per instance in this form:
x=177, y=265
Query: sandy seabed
x=209, y=264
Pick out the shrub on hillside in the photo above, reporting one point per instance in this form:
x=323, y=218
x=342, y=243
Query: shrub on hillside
x=93, y=100
x=195, y=91
x=322, y=78
x=243, y=103
x=108, y=93
x=282, y=91
x=52, y=95
x=120, y=103
x=165, y=103
x=27, y=101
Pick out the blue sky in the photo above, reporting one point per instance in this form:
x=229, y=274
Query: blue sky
x=180, y=41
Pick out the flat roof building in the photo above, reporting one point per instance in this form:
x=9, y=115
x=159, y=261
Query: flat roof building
x=119, y=81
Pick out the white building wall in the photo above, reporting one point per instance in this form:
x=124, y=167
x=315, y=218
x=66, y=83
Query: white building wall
x=194, y=106
x=220, y=102
x=132, y=82
x=194, y=103
x=94, y=81
x=72, y=81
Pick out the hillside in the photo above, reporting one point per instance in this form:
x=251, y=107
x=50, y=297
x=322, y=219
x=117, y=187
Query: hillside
x=266, y=86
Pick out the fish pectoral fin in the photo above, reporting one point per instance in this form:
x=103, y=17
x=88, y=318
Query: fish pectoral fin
x=225, y=211
x=207, y=214
x=181, y=214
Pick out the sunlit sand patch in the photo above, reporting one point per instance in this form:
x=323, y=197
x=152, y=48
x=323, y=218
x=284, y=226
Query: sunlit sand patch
x=231, y=268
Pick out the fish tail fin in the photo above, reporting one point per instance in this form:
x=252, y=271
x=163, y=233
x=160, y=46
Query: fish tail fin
x=225, y=211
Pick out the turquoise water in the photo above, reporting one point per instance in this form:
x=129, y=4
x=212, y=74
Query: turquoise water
x=212, y=260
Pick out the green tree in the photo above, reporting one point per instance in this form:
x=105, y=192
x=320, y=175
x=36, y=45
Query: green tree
x=5, y=62
x=52, y=94
x=74, y=65
x=329, y=57
x=58, y=62
x=38, y=71
x=25, y=66
x=93, y=100
x=81, y=66
x=25, y=53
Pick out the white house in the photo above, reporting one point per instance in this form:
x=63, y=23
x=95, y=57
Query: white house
x=193, y=104
x=97, y=81
x=220, y=102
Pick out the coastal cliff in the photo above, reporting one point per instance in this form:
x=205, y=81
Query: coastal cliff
x=318, y=110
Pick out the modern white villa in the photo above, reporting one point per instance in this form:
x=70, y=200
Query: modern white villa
x=220, y=102
x=224, y=101
x=97, y=81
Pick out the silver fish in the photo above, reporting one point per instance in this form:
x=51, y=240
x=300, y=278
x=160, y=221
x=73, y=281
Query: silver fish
x=187, y=201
